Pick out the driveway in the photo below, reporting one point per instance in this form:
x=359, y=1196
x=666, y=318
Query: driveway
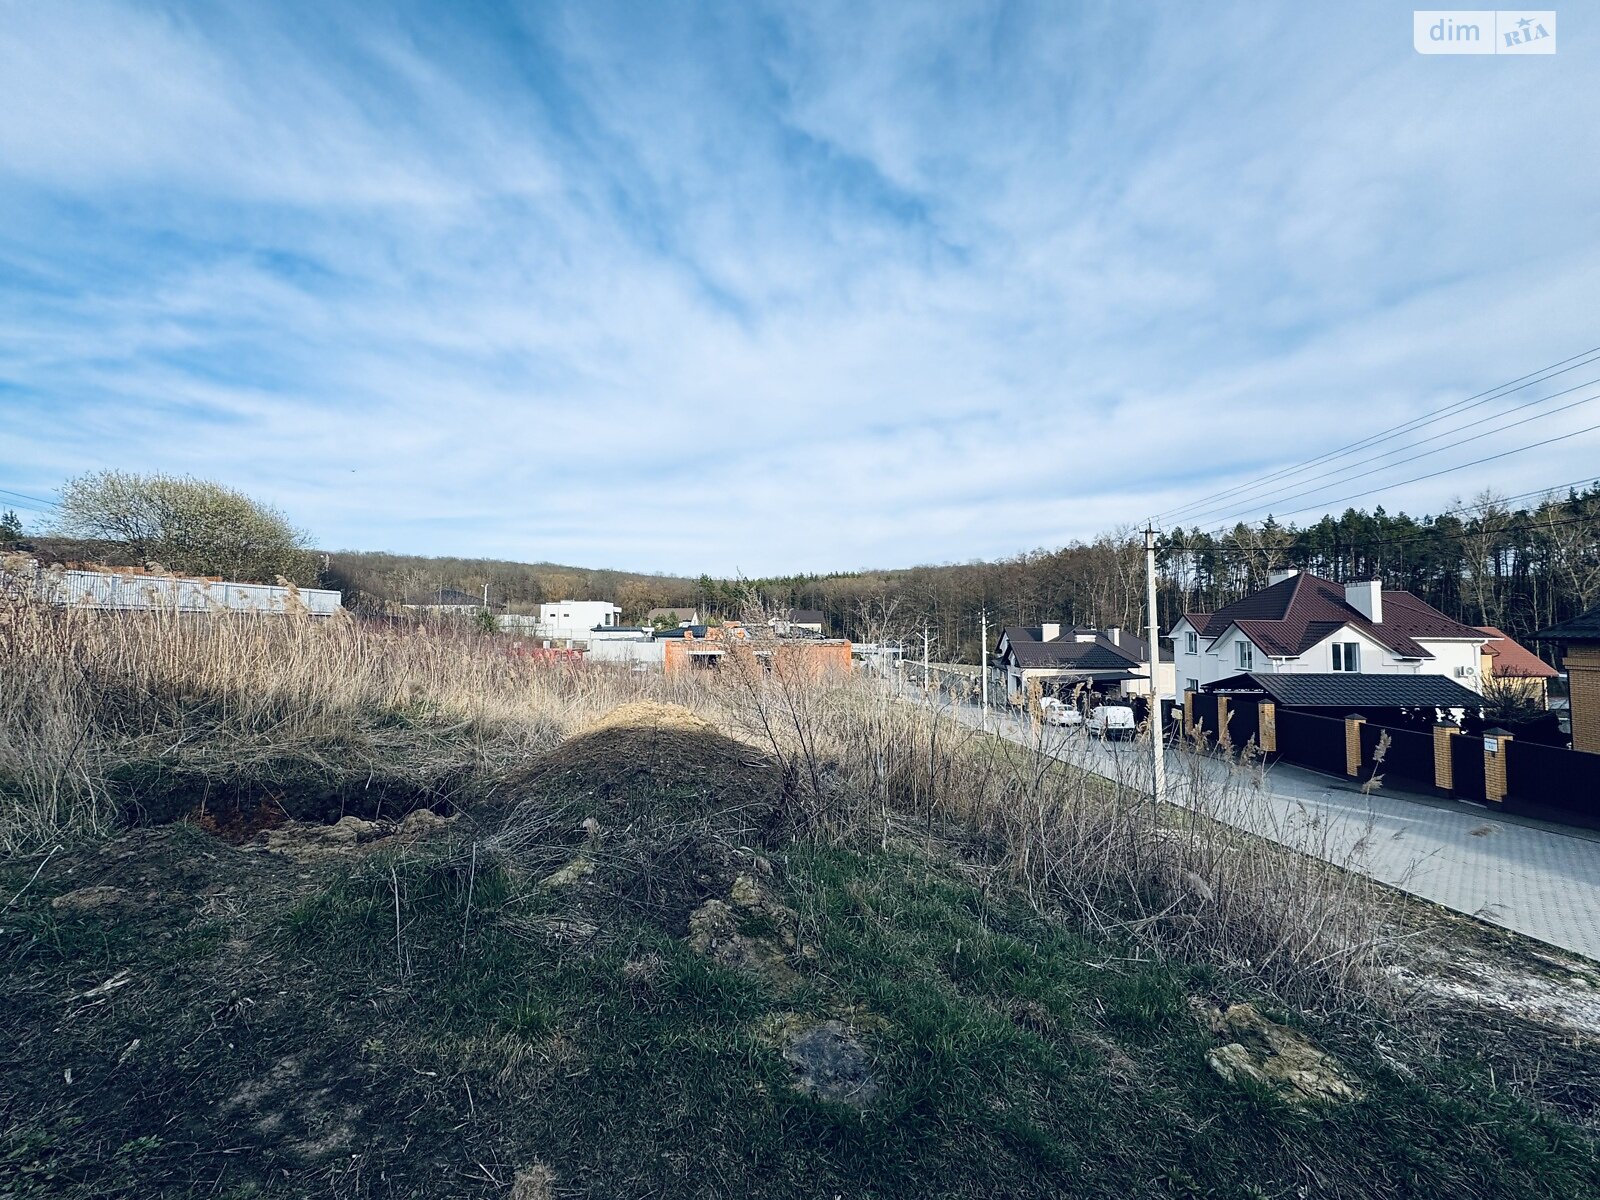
x=1529, y=876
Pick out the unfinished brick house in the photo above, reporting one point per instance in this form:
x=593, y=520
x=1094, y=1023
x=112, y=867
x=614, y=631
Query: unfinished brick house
x=707, y=647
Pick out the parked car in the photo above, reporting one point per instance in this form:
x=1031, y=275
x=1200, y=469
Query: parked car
x=1112, y=721
x=1056, y=712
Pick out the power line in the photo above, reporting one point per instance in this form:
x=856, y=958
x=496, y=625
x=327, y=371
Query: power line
x=1356, y=541
x=1473, y=401
x=25, y=496
x=1415, y=457
x=1339, y=472
x=1550, y=441
x=1586, y=481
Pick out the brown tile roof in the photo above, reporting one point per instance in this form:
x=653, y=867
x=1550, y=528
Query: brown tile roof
x=1291, y=616
x=1513, y=661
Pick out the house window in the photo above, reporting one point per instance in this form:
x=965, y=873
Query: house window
x=1347, y=656
x=1192, y=643
x=1247, y=656
x=1193, y=685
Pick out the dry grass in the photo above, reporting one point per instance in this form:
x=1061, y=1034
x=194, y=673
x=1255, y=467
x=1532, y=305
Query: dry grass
x=107, y=717
x=154, y=715
x=1184, y=879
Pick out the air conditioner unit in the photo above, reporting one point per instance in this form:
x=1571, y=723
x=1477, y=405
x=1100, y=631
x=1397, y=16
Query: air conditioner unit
x=1466, y=672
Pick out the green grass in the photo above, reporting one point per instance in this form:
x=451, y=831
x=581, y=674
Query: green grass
x=1015, y=1057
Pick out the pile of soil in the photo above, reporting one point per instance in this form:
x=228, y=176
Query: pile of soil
x=656, y=767
x=649, y=810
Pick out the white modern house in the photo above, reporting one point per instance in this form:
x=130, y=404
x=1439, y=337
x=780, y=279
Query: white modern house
x=1304, y=624
x=577, y=620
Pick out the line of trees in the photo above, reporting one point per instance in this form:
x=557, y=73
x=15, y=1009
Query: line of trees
x=377, y=581
x=1484, y=563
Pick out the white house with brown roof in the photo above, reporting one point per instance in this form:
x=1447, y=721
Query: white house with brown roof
x=1305, y=624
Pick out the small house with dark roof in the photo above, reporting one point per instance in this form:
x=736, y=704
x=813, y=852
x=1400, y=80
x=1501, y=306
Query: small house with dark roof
x=1304, y=624
x=799, y=622
x=672, y=618
x=1057, y=662
x=1579, y=643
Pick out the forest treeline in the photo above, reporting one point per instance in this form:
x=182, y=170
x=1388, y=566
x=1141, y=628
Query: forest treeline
x=1483, y=562
x=374, y=581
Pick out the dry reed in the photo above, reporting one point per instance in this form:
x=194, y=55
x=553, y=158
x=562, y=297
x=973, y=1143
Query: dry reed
x=91, y=704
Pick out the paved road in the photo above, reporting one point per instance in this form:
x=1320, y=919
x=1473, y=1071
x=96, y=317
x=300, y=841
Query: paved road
x=1538, y=879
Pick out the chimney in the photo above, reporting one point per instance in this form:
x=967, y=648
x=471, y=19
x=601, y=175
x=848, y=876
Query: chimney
x=1114, y=634
x=1280, y=576
x=1050, y=631
x=1366, y=598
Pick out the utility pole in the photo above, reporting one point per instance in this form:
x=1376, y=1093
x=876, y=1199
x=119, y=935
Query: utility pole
x=924, y=658
x=983, y=668
x=1158, y=792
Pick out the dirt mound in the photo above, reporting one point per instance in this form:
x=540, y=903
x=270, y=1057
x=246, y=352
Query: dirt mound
x=653, y=714
x=654, y=767
x=648, y=811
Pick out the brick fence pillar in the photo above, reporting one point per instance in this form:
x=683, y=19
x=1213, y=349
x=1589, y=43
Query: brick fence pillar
x=1267, y=726
x=1495, y=742
x=1444, y=770
x=1188, y=713
x=1352, y=744
x=1583, y=677
x=1222, y=721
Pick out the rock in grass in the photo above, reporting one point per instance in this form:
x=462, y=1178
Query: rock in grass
x=88, y=899
x=535, y=1182
x=1278, y=1058
x=568, y=875
x=830, y=1063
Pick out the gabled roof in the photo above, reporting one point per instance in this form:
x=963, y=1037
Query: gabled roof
x=1079, y=649
x=1081, y=656
x=1351, y=690
x=1583, y=628
x=1512, y=661
x=1288, y=618
x=804, y=616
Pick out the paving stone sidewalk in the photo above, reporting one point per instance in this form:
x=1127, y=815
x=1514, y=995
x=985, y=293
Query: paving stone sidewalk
x=1535, y=878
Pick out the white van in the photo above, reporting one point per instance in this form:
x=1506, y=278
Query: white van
x=1112, y=721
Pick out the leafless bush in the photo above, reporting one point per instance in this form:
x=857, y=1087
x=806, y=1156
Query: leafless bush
x=1220, y=875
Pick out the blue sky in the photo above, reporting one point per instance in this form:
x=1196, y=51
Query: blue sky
x=759, y=288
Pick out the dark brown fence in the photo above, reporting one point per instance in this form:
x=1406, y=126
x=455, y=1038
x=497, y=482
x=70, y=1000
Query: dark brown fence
x=1315, y=742
x=1205, y=714
x=1553, y=782
x=1244, y=721
x=1407, y=761
x=1466, y=767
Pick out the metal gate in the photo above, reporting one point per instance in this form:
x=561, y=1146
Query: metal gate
x=1466, y=767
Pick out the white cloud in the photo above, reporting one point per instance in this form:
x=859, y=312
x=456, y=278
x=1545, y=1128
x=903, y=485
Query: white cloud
x=802, y=289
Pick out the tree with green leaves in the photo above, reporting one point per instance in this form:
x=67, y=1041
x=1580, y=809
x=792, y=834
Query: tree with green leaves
x=187, y=526
x=10, y=529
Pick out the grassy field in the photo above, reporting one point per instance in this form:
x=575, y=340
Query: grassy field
x=779, y=939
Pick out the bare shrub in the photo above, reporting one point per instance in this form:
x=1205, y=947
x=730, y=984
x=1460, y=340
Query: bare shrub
x=1217, y=876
